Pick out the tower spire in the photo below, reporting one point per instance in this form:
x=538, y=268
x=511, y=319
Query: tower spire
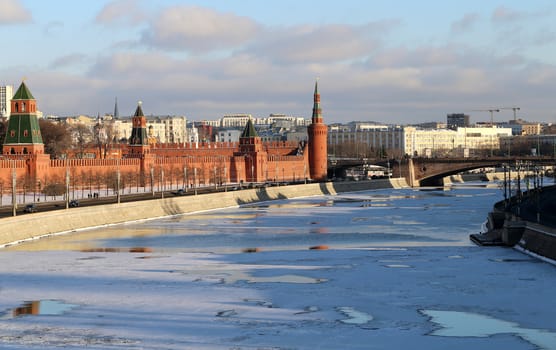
x=317, y=133
x=116, y=112
x=317, y=112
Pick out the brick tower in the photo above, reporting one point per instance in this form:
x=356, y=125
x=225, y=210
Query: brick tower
x=317, y=131
x=252, y=152
x=24, y=134
x=138, y=142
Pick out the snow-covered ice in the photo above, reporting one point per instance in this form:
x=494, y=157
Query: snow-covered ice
x=399, y=275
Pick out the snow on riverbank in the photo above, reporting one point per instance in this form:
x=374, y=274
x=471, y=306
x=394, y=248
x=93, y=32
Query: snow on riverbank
x=297, y=299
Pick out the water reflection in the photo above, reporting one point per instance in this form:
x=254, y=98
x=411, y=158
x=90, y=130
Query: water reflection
x=40, y=307
x=404, y=217
x=466, y=324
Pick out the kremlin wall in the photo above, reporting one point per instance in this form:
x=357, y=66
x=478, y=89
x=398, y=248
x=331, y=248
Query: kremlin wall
x=143, y=163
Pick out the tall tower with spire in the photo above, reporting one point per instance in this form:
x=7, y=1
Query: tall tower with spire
x=138, y=142
x=317, y=132
x=23, y=135
x=116, y=112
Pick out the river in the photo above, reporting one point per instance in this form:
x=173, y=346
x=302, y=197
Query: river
x=395, y=270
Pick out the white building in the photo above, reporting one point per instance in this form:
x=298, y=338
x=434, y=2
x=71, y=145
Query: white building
x=411, y=141
x=234, y=120
x=168, y=129
x=6, y=95
x=228, y=135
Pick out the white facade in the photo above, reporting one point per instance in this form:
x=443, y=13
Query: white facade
x=170, y=129
x=228, y=135
x=234, y=121
x=398, y=141
x=6, y=95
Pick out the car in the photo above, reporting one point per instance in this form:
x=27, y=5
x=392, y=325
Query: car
x=30, y=208
x=74, y=203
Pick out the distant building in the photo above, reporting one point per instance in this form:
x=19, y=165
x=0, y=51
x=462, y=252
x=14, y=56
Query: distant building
x=522, y=127
x=6, y=94
x=457, y=120
x=228, y=135
x=411, y=141
x=235, y=120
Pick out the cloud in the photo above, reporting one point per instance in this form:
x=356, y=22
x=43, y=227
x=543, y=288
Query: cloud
x=199, y=29
x=68, y=60
x=416, y=57
x=235, y=64
x=503, y=14
x=312, y=43
x=465, y=23
x=121, y=11
x=12, y=11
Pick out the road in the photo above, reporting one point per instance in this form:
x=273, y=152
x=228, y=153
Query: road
x=6, y=210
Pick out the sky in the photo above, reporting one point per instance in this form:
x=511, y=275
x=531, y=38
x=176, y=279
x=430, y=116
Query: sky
x=395, y=61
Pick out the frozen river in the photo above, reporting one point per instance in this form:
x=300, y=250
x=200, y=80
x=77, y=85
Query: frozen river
x=399, y=272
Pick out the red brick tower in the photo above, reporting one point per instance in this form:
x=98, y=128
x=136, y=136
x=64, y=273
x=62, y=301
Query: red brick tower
x=138, y=142
x=318, y=155
x=254, y=156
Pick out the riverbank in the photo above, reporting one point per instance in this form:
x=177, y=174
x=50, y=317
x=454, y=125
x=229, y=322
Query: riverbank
x=527, y=223
x=32, y=226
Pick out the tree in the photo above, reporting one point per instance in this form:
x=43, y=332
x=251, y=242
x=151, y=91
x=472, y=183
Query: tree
x=3, y=128
x=56, y=138
x=82, y=135
x=104, y=138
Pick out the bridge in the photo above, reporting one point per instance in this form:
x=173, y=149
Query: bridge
x=431, y=171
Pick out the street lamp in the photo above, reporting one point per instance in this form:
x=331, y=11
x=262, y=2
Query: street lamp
x=195, y=179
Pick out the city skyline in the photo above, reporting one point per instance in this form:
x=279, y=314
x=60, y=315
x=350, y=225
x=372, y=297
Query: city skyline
x=398, y=62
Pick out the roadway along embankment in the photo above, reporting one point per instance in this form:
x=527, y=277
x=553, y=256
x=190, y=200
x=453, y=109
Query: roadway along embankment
x=32, y=226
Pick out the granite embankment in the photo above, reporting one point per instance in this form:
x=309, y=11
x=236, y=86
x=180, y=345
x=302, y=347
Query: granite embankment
x=526, y=222
x=31, y=226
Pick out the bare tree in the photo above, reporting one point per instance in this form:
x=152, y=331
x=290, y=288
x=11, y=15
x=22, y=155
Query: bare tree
x=56, y=138
x=82, y=135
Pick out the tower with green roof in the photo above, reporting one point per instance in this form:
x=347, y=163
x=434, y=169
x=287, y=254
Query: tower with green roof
x=23, y=135
x=251, y=156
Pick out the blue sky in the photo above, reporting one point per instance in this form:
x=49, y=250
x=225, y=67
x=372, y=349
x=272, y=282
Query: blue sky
x=387, y=61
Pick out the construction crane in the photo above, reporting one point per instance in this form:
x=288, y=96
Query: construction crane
x=491, y=111
x=514, y=109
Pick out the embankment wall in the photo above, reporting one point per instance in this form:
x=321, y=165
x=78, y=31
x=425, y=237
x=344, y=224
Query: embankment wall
x=31, y=226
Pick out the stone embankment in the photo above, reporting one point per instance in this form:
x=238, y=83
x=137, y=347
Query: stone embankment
x=32, y=226
x=526, y=222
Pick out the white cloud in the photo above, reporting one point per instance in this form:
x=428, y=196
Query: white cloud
x=503, y=14
x=466, y=23
x=121, y=11
x=199, y=29
x=12, y=11
x=311, y=43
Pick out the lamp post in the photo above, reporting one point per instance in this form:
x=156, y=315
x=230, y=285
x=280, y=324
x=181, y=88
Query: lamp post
x=67, y=187
x=186, y=185
x=215, y=179
x=118, y=181
x=195, y=179
x=152, y=180
x=14, y=194
x=162, y=182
